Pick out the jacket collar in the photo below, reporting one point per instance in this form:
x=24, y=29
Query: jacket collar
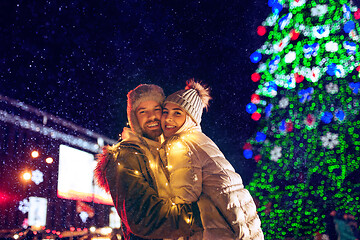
x=130, y=136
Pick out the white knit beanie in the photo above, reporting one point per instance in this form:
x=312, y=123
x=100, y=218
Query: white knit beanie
x=143, y=92
x=193, y=99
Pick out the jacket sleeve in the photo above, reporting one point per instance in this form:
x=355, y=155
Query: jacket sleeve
x=138, y=204
x=185, y=171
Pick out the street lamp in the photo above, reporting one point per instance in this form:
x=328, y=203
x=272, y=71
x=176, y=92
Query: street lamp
x=26, y=176
x=49, y=160
x=35, y=154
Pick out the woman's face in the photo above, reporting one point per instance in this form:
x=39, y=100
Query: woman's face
x=172, y=119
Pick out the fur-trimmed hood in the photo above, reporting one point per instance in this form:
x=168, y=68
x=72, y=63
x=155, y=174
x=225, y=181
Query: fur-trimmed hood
x=109, y=152
x=100, y=169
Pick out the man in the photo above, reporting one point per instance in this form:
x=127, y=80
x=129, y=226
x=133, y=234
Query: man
x=125, y=170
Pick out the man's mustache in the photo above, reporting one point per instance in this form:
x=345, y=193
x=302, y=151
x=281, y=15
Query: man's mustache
x=153, y=121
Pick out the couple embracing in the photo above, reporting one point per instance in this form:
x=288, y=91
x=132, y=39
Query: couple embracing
x=167, y=179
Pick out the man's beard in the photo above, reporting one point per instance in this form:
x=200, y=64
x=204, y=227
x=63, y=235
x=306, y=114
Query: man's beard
x=152, y=134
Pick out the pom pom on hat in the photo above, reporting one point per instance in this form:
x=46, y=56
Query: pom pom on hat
x=193, y=99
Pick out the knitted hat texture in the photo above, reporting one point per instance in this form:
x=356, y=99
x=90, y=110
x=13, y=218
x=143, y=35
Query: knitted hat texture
x=193, y=99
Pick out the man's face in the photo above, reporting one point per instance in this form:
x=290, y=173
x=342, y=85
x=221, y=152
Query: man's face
x=148, y=114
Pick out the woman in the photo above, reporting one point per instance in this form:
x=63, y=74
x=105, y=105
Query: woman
x=199, y=171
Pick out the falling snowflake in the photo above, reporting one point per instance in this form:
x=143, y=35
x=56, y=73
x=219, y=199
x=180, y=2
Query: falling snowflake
x=331, y=46
x=330, y=140
x=284, y=102
x=84, y=216
x=276, y=153
x=332, y=88
x=24, y=206
x=290, y=57
x=37, y=177
x=319, y=10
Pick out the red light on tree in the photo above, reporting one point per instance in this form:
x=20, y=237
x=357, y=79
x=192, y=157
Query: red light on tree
x=289, y=127
x=298, y=78
x=255, y=116
x=255, y=98
x=357, y=14
x=257, y=158
x=247, y=146
x=255, y=77
x=261, y=30
x=294, y=34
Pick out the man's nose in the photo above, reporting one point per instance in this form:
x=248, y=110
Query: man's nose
x=152, y=115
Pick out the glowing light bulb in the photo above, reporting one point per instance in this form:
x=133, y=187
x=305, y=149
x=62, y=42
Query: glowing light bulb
x=49, y=160
x=26, y=176
x=35, y=154
x=105, y=230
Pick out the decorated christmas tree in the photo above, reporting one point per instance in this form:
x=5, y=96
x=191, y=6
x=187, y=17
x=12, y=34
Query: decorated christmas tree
x=307, y=145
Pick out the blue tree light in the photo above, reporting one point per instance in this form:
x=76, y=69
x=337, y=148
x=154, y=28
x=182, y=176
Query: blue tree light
x=251, y=108
x=248, y=153
x=282, y=126
x=340, y=115
x=350, y=25
x=268, y=110
x=255, y=57
x=326, y=117
x=276, y=8
x=331, y=69
x=260, y=137
x=272, y=2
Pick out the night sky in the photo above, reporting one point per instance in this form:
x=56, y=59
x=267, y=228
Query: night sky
x=78, y=59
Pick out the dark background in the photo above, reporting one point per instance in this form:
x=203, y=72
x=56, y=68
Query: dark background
x=78, y=59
